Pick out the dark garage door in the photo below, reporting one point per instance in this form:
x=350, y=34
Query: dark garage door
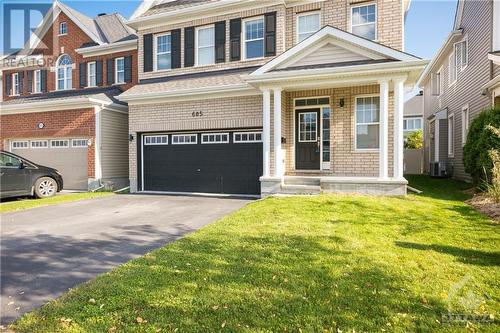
x=226, y=162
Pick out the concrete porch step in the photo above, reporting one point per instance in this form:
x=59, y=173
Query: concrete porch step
x=300, y=189
x=298, y=180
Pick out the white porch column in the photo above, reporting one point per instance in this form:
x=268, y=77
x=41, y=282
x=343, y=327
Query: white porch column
x=384, y=130
x=398, y=127
x=278, y=156
x=266, y=131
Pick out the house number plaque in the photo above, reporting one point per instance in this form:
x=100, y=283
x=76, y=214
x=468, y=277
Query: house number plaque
x=197, y=114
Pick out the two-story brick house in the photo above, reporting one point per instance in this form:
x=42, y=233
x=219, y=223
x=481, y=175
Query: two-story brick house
x=254, y=97
x=462, y=80
x=59, y=94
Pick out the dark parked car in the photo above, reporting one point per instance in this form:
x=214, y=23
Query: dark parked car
x=20, y=177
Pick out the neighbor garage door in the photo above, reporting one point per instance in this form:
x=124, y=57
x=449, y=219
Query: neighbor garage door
x=224, y=162
x=69, y=156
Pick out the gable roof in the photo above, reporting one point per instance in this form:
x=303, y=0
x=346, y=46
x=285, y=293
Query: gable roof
x=103, y=29
x=365, y=48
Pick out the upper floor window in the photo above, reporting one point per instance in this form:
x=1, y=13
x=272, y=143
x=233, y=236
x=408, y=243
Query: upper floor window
x=64, y=73
x=254, y=38
x=436, y=80
x=91, y=72
x=63, y=28
x=452, y=69
x=307, y=24
x=205, y=46
x=163, y=52
x=461, y=54
x=364, y=21
x=367, y=122
x=411, y=124
x=120, y=70
x=15, y=84
x=37, y=81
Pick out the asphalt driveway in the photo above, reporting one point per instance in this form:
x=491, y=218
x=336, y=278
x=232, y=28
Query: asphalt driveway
x=45, y=251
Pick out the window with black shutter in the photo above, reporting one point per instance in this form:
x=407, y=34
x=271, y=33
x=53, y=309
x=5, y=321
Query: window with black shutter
x=30, y=82
x=175, y=48
x=128, y=69
x=148, y=53
x=110, y=71
x=220, y=41
x=43, y=74
x=21, y=83
x=98, y=73
x=189, y=47
x=235, y=39
x=270, y=37
x=83, y=74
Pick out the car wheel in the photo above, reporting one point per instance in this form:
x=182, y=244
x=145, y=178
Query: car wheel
x=45, y=187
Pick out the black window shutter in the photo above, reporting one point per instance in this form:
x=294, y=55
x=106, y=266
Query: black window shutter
x=175, y=48
x=148, y=53
x=270, y=36
x=128, y=69
x=220, y=41
x=83, y=74
x=30, y=82
x=189, y=47
x=110, y=71
x=8, y=84
x=98, y=72
x=235, y=39
x=44, y=80
x=21, y=83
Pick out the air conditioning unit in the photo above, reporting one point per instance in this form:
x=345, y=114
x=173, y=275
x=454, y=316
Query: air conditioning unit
x=438, y=170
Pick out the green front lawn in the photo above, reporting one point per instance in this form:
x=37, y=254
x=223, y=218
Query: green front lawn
x=12, y=204
x=327, y=263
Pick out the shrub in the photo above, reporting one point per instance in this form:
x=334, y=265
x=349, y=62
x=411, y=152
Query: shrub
x=480, y=141
x=415, y=140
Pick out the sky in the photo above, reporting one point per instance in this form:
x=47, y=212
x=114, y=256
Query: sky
x=428, y=23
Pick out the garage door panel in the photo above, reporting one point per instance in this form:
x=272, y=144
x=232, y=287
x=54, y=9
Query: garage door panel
x=206, y=168
x=70, y=162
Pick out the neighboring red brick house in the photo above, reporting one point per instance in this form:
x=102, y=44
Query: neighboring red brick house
x=59, y=107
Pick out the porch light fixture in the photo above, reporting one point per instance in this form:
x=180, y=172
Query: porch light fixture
x=130, y=137
x=341, y=103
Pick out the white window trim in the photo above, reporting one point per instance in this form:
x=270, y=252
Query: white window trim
x=19, y=141
x=156, y=54
x=37, y=74
x=196, y=53
x=66, y=25
x=185, y=135
x=466, y=40
x=155, y=144
x=441, y=84
x=61, y=147
x=465, y=123
x=13, y=89
x=376, y=18
x=203, y=135
x=314, y=12
x=116, y=70
x=77, y=146
x=406, y=118
x=247, y=141
x=65, y=67
x=356, y=149
x=88, y=74
x=318, y=123
x=244, y=34
x=450, y=68
x=451, y=143
x=33, y=147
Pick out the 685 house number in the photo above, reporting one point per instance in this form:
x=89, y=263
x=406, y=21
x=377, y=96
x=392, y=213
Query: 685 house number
x=197, y=114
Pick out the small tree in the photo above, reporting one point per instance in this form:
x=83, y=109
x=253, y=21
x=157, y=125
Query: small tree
x=480, y=141
x=415, y=140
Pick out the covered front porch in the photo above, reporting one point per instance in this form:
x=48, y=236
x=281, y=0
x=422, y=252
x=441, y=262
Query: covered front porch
x=331, y=125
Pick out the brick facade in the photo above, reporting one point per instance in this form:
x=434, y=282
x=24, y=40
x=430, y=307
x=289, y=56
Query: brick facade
x=333, y=12
x=59, y=124
x=52, y=46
